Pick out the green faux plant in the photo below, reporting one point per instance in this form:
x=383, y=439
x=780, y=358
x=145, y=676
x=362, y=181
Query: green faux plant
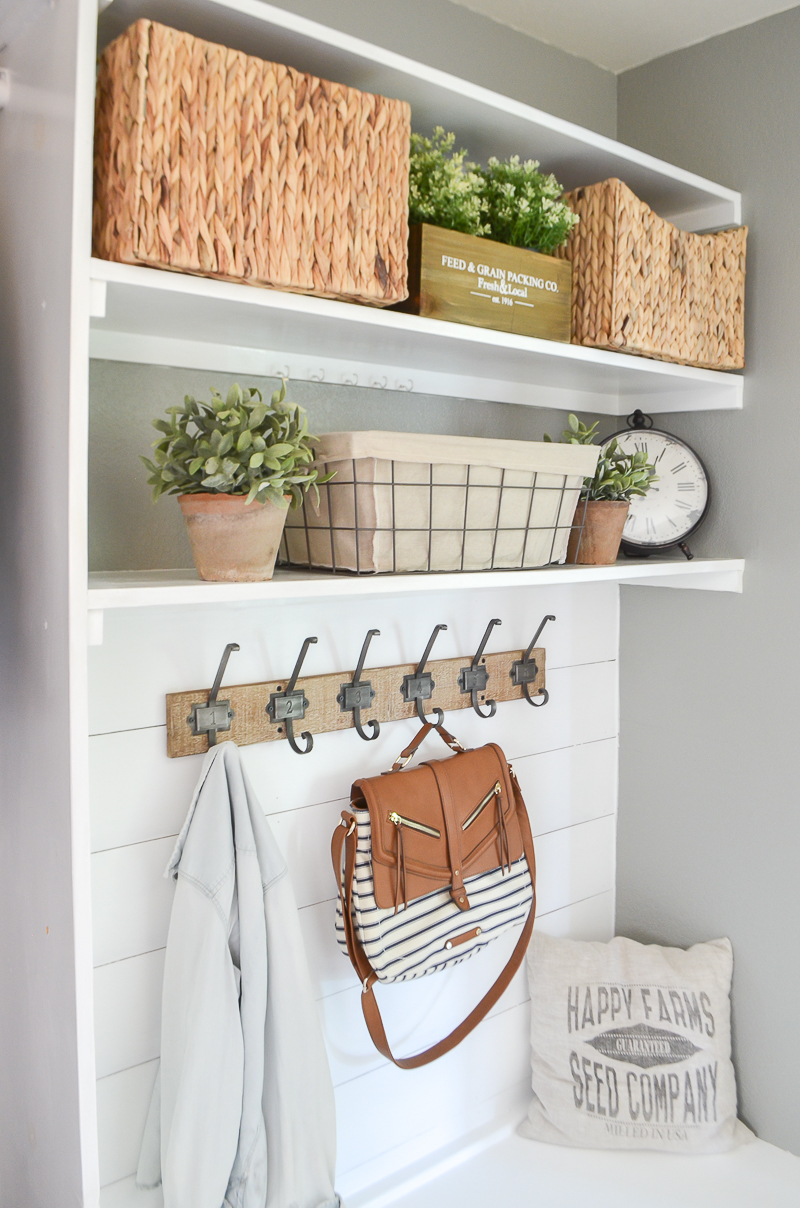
x=619, y=476
x=522, y=207
x=443, y=189
x=509, y=200
x=238, y=445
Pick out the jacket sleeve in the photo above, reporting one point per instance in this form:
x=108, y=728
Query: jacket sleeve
x=201, y=1053
x=299, y=1107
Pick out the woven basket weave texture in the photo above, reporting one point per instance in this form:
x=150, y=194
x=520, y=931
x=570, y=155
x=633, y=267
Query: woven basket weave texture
x=642, y=286
x=211, y=161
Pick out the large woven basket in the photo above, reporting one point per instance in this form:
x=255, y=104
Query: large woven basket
x=640, y=285
x=211, y=161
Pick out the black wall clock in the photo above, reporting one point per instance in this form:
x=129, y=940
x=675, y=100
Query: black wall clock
x=677, y=504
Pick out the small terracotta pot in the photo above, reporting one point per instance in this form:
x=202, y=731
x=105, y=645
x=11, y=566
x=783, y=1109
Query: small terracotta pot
x=598, y=544
x=233, y=541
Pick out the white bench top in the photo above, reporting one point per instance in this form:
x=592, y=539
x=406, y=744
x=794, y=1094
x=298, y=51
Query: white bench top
x=517, y=1173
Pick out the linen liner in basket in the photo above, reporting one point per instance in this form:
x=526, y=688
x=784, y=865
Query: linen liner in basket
x=439, y=503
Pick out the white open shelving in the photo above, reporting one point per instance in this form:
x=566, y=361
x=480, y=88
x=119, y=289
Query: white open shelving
x=161, y=588
x=153, y=316
x=157, y=317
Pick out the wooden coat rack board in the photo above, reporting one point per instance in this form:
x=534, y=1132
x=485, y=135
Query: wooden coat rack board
x=251, y=723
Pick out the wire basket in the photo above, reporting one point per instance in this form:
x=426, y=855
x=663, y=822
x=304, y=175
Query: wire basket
x=382, y=516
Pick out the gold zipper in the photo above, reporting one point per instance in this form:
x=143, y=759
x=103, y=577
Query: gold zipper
x=399, y=820
x=493, y=792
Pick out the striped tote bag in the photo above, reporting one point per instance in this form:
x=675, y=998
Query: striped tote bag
x=433, y=863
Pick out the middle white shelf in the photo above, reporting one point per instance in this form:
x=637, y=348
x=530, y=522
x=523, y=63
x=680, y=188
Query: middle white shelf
x=157, y=317
x=165, y=588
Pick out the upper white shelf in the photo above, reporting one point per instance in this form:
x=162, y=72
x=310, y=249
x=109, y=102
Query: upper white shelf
x=485, y=122
x=158, y=317
x=164, y=318
x=154, y=588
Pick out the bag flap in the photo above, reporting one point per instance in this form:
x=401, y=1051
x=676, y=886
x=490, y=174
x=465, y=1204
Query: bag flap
x=412, y=800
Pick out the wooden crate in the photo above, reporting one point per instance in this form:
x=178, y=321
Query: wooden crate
x=641, y=285
x=465, y=279
x=214, y=162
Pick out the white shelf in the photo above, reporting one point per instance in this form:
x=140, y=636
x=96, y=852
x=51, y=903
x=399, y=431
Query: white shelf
x=154, y=316
x=162, y=588
x=485, y=122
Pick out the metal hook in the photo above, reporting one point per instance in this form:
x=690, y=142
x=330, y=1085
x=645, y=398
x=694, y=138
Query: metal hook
x=474, y=679
x=525, y=670
x=420, y=685
x=216, y=714
x=290, y=706
x=359, y=694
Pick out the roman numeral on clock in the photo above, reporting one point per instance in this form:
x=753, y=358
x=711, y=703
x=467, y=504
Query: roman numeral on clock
x=677, y=469
x=685, y=486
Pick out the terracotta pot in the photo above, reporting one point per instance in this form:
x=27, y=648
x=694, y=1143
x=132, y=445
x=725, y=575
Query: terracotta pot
x=601, y=535
x=233, y=541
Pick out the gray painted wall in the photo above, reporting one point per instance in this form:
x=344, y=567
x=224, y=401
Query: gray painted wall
x=128, y=532
x=709, y=825
x=452, y=38
x=39, y=1142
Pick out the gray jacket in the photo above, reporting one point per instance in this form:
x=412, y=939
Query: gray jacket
x=243, y=1114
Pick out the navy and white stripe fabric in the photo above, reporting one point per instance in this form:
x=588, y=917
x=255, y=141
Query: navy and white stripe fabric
x=412, y=942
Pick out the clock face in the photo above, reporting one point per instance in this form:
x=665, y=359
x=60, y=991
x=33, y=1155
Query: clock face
x=677, y=502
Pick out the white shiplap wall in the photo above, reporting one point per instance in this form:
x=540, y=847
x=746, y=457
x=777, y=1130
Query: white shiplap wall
x=565, y=756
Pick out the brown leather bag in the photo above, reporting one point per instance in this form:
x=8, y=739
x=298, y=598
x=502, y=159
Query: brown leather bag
x=438, y=861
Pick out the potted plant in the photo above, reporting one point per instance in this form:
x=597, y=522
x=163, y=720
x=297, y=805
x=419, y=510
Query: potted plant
x=606, y=497
x=481, y=241
x=236, y=465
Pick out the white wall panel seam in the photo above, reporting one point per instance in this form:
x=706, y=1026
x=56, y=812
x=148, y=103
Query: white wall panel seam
x=551, y=667
x=572, y=825
x=134, y=957
x=99, y=851
x=384, y=1064
x=127, y=730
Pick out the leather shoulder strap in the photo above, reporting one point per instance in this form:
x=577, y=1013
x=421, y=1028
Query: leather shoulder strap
x=408, y=752
x=367, y=975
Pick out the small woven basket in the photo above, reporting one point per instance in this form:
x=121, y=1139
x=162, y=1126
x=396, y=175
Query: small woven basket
x=642, y=286
x=214, y=162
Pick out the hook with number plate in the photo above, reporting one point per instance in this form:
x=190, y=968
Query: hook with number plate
x=290, y=705
x=525, y=670
x=359, y=694
x=420, y=684
x=473, y=679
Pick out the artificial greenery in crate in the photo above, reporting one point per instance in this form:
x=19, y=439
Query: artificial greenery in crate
x=238, y=445
x=508, y=201
x=443, y=190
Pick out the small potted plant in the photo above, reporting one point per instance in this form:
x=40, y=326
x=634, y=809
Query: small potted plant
x=606, y=498
x=481, y=241
x=236, y=465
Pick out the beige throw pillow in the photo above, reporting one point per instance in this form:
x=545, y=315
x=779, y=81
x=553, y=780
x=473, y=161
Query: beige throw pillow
x=631, y=1046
